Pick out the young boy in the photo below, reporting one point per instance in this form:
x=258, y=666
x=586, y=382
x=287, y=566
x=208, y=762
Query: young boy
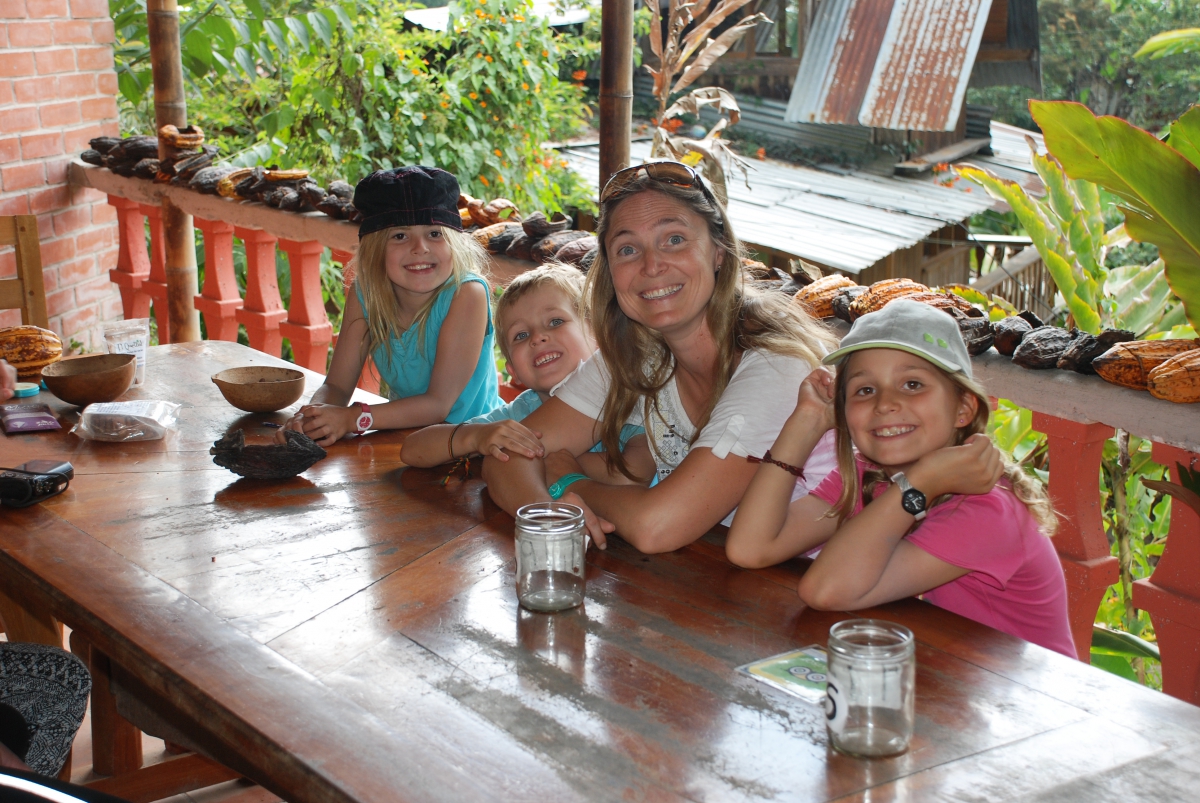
x=542, y=334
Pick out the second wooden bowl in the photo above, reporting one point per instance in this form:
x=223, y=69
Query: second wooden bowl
x=92, y=379
x=260, y=388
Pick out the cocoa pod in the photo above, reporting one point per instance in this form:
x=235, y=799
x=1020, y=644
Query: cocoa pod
x=29, y=349
x=521, y=247
x=843, y=299
x=290, y=201
x=295, y=174
x=1178, y=379
x=585, y=264
x=1129, y=364
x=207, y=179
x=1085, y=348
x=573, y=252
x=976, y=334
x=191, y=136
x=496, y=238
x=311, y=192
x=146, y=168
x=104, y=144
x=92, y=157
x=817, y=297
x=352, y=214
x=131, y=150
x=1009, y=332
x=475, y=208
x=333, y=206
x=227, y=186
x=502, y=210
x=1041, y=348
x=880, y=293
x=341, y=189
x=1034, y=321
x=545, y=248
x=538, y=225
x=946, y=300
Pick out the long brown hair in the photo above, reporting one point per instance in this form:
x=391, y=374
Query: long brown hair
x=368, y=271
x=739, y=317
x=1026, y=488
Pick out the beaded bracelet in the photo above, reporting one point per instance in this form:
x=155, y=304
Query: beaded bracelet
x=796, y=471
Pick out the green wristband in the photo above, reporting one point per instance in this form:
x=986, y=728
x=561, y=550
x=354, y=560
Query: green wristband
x=559, y=488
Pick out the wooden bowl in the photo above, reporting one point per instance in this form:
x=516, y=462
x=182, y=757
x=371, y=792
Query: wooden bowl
x=259, y=388
x=92, y=379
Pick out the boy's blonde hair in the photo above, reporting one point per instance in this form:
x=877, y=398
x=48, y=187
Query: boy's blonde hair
x=368, y=272
x=564, y=278
x=1025, y=487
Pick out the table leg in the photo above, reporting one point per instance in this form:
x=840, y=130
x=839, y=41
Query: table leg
x=116, y=743
x=21, y=624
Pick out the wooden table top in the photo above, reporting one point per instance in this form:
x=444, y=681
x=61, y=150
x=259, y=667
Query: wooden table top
x=353, y=635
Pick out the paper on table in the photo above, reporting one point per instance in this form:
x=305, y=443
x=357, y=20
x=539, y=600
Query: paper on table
x=801, y=673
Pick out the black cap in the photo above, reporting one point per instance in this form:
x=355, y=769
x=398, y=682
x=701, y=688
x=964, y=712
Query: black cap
x=407, y=196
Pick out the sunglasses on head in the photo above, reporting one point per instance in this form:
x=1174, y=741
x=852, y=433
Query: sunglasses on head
x=675, y=173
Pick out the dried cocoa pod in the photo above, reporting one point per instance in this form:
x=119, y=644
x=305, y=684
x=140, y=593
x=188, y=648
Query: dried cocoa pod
x=946, y=300
x=92, y=157
x=496, y=238
x=333, y=206
x=464, y=200
x=976, y=333
x=341, y=189
x=1178, y=379
x=880, y=293
x=120, y=168
x=1041, y=348
x=295, y=174
x=1085, y=348
x=311, y=192
x=227, y=186
x=104, y=144
x=207, y=179
x=466, y=220
x=352, y=214
x=254, y=185
x=132, y=150
x=290, y=201
x=1009, y=332
x=190, y=137
x=537, y=225
x=545, y=248
x=842, y=300
x=585, y=264
x=1034, y=321
x=1129, y=364
x=188, y=165
x=29, y=349
x=146, y=168
x=573, y=252
x=502, y=210
x=475, y=207
x=817, y=297
x=521, y=247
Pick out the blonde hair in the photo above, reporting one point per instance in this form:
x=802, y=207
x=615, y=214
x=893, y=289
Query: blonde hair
x=367, y=270
x=1028, y=489
x=740, y=317
x=563, y=278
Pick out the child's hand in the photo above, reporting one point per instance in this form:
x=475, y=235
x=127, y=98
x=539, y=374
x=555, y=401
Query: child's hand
x=816, y=397
x=494, y=439
x=973, y=468
x=324, y=423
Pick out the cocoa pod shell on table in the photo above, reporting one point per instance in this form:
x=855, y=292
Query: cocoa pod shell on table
x=976, y=334
x=520, y=248
x=29, y=349
x=1034, y=321
x=146, y=168
x=1178, y=379
x=1129, y=364
x=817, y=297
x=207, y=179
x=843, y=298
x=587, y=260
x=1085, y=348
x=311, y=191
x=104, y=144
x=880, y=293
x=545, y=249
x=1042, y=347
x=1009, y=332
x=496, y=238
x=537, y=225
x=93, y=157
x=573, y=252
x=341, y=189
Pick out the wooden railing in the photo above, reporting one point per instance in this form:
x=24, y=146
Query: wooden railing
x=1023, y=281
x=1077, y=413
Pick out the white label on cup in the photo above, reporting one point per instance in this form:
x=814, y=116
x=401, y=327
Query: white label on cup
x=835, y=706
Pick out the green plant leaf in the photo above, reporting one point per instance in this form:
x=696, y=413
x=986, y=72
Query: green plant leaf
x=1169, y=43
x=1185, y=135
x=1116, y=664
x=1160, y=186
x=1118, y=642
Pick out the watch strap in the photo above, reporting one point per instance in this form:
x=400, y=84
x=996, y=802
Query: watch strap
x=907, y=491
x=560, y=487
x=365, y=419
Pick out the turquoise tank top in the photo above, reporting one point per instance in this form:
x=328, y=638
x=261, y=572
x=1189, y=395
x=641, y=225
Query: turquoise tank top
x=408, y=370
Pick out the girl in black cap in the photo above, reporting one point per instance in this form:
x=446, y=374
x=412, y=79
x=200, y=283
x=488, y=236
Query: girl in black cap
x=419, y=308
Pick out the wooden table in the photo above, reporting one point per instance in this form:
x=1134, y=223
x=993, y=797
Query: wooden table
x=353, y=635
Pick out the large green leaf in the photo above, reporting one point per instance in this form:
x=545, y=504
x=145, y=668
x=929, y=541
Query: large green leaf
x=1168, y=43
x=1185, y=135
x=1160, y=186
x=1118, y=642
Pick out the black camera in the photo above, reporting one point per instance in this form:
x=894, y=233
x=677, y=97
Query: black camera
x=30, y=483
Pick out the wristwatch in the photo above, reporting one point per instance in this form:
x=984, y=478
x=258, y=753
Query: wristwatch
x=912, y=500
x=365, y=419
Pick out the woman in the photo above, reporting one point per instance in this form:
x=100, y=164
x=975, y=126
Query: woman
x=710, y=366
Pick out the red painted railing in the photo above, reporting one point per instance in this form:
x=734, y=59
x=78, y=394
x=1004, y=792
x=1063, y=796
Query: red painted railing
x=1077, y=413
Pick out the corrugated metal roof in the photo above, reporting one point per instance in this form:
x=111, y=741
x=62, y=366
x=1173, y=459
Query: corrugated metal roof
x=900, y=64
x=847, y=221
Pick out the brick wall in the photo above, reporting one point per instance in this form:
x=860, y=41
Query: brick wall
x=57, y=91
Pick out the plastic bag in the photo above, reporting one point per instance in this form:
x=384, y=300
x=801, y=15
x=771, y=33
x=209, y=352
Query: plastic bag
x=130, y=337
x=145, y=420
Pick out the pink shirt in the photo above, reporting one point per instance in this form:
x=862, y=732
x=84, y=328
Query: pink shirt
x=1014, y=581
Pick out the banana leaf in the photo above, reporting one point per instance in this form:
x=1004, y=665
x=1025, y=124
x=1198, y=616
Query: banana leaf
x=1120, y=643
x=1169, y=43
x=1160, y=187
x=1185, y=135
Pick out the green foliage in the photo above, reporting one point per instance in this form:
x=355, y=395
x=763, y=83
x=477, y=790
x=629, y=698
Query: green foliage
x=344, y=88
x=1088, y=55
x=1160, y=186
x=1170, y=43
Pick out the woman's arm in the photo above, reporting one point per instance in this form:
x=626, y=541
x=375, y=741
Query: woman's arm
x=769, y=528
x=458, y=351
x=867, y=562
x=432, y=446
x=638, y=458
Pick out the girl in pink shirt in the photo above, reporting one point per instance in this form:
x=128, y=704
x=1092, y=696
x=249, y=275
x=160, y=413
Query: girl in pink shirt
x=926, y=506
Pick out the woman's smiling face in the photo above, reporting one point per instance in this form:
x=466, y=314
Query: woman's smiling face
x=663, y=262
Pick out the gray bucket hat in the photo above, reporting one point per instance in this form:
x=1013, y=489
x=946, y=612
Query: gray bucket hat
x=908, y=326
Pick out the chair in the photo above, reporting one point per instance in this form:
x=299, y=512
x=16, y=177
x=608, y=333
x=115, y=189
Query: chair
x=26, y=292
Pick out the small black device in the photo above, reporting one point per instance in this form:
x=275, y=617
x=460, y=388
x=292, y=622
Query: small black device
x=912, y=500
x=30, y=483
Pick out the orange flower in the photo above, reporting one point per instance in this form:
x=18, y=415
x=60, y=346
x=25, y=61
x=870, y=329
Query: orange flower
x=525, y=86
x=518, y=18
x=486, y=183
x=500, y=179
x=579, y=75
x=525, y=62
x=497, y=152
x=416, y=71
x=941, y=167
x=545, y=54
x=761, y=153
x=473, y=96
x=445, y=105
x=488, y=59
x=483, y=103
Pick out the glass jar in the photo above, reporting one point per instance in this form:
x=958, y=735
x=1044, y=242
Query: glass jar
x=869, y=693
x=550, y=556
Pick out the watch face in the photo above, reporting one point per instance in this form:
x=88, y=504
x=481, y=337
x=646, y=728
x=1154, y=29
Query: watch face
x=913, y=501
x=364, y=421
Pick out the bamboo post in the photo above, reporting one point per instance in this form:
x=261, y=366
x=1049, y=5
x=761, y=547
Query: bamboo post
x=170, y=108
x=616, y=85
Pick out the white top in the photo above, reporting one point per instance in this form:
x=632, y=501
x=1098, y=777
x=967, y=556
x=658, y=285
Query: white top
x=748, y=417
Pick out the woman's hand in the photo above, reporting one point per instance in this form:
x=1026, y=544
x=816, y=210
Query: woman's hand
x=8, y=380
x=973, y=468
x=494, y=439
x=597, y=527
x=815, y=399
x=324, y=423
x=560, y=464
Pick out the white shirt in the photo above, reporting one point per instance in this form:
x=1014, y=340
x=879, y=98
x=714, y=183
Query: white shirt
x=760, y=396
